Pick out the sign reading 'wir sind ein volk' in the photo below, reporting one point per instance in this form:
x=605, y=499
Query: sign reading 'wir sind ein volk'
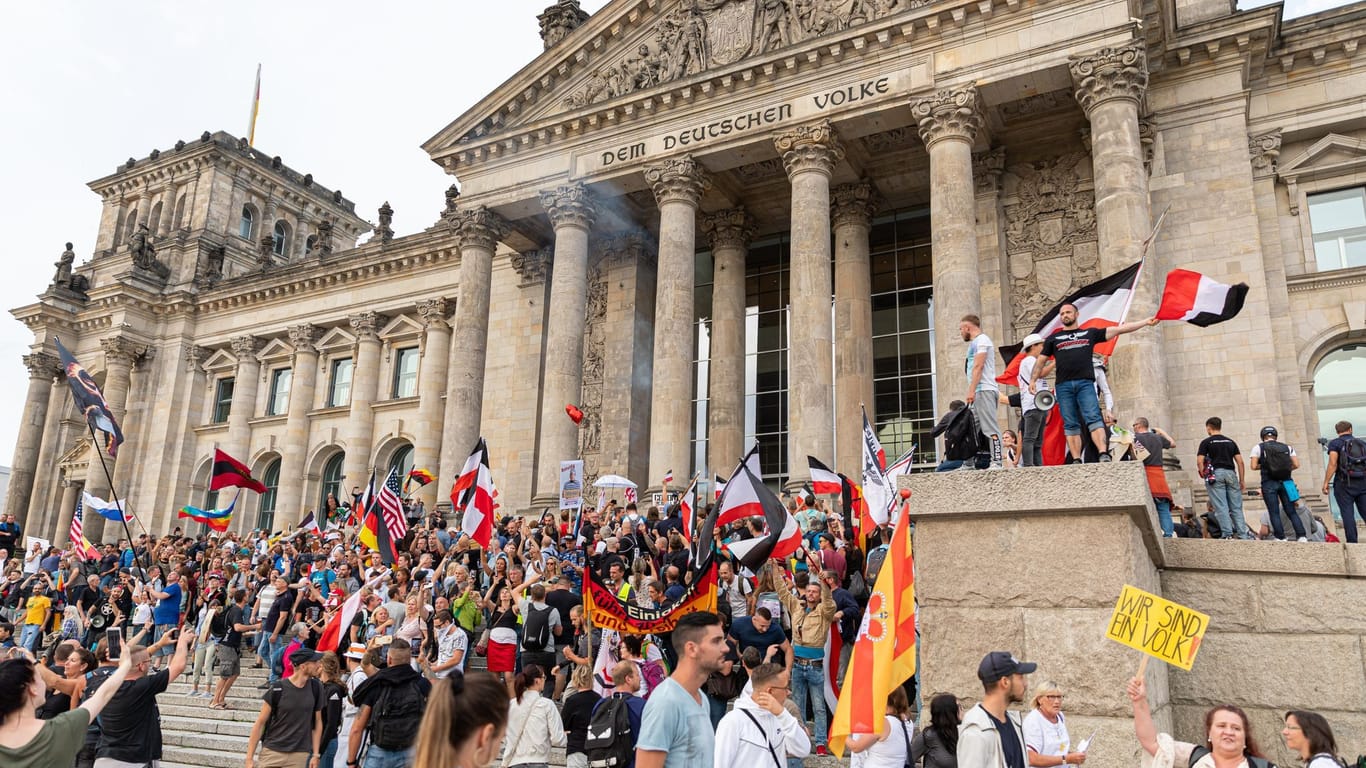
x=1158, y=627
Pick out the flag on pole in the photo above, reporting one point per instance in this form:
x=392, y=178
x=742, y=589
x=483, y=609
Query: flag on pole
x=309, y=523
x=685, y=509
x=90, y=400
x=216, y=519
x=231, y=473
x=876, y=491
x=1198, y=300
x=332, y=631
x=390, y=501
x=824, y=481
x=477, y=499
x=77, y=535
x=109, y=510
x=362, y=510
x=421, y=477
x=718, y=486
x=255, y=109
x=668, y=478
x=747, y=496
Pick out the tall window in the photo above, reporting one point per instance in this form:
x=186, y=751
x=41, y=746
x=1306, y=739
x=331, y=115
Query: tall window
x=332, y=481
x=280, y=238
x=1340, y=395
x=1338, y=220
x=403, y=462
x=405, y=372
x=280, y=380
x=903, y=352
x=210, y=504
x=265, y=516
x=180, y=212
x=247, y=224
x=222, y=399
x=339, y=383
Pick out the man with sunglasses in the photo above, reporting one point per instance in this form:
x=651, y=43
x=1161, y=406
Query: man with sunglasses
x=760, y=731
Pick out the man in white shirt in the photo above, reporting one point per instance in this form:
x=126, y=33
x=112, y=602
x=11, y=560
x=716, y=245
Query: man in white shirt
x=1034, y=418
x=983, y=392
x=451, y=644
x=737, y=590
x=759, y=731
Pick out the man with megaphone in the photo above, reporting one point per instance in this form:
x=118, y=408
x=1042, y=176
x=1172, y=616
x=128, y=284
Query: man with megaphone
x=1036, y=399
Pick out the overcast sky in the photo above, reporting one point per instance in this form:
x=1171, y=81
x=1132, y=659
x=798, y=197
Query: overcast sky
x=350, y=90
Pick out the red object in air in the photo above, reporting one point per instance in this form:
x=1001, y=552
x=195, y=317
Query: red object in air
x=574, y=413
x=905, y=493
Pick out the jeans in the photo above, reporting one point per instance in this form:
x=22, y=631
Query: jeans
x=277, y=658
x=31, y=636
x=1031, y=436
x=718, y=709
x=1164, y=516
x=808, y=680
x=1273, y=493
x=329, y=755
x=1227, y=498
x=1351, y=502
x=379, y=757
x=1078, y=405
x=157, y=632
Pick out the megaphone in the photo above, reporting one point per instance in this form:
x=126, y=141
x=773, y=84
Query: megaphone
x=1044, y=400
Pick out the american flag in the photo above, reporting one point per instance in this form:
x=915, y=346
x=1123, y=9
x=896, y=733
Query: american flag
x=77, y=534
x=391, y=504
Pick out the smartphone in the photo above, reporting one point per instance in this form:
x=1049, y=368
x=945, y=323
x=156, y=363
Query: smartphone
x=114, y=637
x=416, y=645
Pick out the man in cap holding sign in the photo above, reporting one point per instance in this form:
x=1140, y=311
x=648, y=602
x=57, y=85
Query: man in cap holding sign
x=991, y=736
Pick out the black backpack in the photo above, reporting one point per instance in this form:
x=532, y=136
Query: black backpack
x=610, y=742
x=1252, y=762
x=1276, y=460
x=1352, y=459
x=396, y=715
x=536, y=630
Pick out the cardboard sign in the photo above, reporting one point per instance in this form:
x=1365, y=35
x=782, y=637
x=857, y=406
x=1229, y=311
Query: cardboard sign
x=1158, y=627
x=571, y=484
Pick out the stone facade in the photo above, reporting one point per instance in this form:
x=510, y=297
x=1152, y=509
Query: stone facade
x=1044, y=139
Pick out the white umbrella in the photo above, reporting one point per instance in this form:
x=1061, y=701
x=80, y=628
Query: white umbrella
x=613, y=481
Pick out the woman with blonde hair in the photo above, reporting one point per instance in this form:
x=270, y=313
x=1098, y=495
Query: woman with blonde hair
x=465, y=721
x=1045, y=730
x=577, y=713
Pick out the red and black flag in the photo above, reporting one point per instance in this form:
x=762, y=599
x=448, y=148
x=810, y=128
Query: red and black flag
x=231, y=473
x=824, y=481
x=90, y=400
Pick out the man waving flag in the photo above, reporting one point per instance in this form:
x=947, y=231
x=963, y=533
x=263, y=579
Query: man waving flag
x=473, y=495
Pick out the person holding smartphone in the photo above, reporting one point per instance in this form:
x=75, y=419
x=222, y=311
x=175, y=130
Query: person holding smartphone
x=131, y=722
x=30, y=741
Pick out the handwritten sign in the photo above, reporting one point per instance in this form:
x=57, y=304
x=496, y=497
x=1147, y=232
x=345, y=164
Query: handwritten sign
x=1158, y=627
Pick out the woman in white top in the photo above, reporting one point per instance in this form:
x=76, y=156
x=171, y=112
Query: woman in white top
x=1307, y=735
x=1045, y=730
x=1228, y=739
x=534, y=724
x=890, y=748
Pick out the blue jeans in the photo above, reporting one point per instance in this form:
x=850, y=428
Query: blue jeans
x=1164, y=516
x=31, y=636
x=1078, y=405
x=330, y=752
x=378, y=757
x=157, y=631
x=277, y=658
x=809, y=680
x=1227, y=498
x=1351, y=502
x=1273, y=493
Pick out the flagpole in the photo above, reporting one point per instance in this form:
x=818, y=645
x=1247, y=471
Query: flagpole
x=114, y=494
x=1143, y=262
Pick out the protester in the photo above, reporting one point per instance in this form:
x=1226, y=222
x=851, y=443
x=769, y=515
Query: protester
x=289, y=727
x=1153, y=442
x=724, y=685
x=464, y=723
x=1032, y=418
x=1308, y=736
x=983, y=391
x=1276, y=460
x=577, y=713
x=131, y=722
x=501, y=644
x=228, y=655
x=540, y=624
x=991, y=735
x=1228, y=735
x=762, y=632
x=1045, y=730
x=450, y=646
x=811, y=621
x=892, y=747
x=1219, y=461
x=675, y=729
x=937, y=745
x=534, y=725
x=27, y=741
x=759, y=729
x=361, y=663
x=392, y=728
x=1346, y=471
x=961, y=436
x=334, y=701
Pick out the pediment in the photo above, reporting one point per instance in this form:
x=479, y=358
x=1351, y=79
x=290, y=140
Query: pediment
x=276, y=349
x=401, y=327
x=631, y=49
x=336, y=339
x=220, y=360
x=1333, y=154
x=79, y=454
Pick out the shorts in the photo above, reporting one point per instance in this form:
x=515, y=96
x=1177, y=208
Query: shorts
x=1078, y=405
x=228, y=661
x=269, y=758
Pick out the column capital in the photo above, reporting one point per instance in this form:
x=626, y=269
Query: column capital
x=194, y=355
x=1265, y=150
x=531, y=265
x=853, y=204
x=1110, y=73
x=304, y=336
x=678, y=180
x=731, y=228
x=121, y=350
x=41, y=365
x=479, y=228
x=570, y=205
x=434, y=312
x=953, y=113
x=815, y=147
x=246, y=347
x=367, y=325
x=987, y=168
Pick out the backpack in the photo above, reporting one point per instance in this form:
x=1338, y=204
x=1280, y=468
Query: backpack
x=1276, y=460
x=536, y=631
x=1252, y=762
x=396, y=715
x=610, y=742
x=1352, y=459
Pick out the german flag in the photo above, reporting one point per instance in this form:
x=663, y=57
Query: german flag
x=231, y=473
x=421, y=477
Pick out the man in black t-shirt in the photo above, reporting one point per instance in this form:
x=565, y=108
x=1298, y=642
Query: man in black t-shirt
x=1348, y=477
x=131, y=723
x=1075, y=379
x=228, y=655
x=1221, y=464
x=290, y=725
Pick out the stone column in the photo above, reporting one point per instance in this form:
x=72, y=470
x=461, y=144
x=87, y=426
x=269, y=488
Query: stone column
x=851, y=214
x=246, y=383
x=572, y=212
x=809, y=154
x=431, y=390
x=949, y=121
x=478, y=231
x=292, y=499
x=730, y=232
x=42, y=371
x=678, y=185
x=120, y=353
x=360, y=422
x=71, y=491
x=168, y=198
x=1109, y=86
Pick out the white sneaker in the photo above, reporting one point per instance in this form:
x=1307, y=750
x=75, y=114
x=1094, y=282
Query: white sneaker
x=1303, y=539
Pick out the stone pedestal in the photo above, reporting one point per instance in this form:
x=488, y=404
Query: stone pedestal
x=290, y=500
x=809, y=154
x=360, y=420
x=1032, y=561
x=678, y=185
x=851, y=213
x=572, y=212
x=431, y=405
x=729, y=232
x=949, y=122
x=42, y=371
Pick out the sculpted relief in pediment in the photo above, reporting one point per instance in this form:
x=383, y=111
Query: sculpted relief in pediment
x=698, y=35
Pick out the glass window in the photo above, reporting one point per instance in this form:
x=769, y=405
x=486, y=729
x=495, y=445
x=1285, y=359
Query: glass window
x=280, y=238
x=405, y=372
x=247, y=224
x=1340, y=395
x=265, y=516
x=339, y=384
x=222, y=399
x=403, y=462
x=280, y=380
x=1338, y=221
x=332, y=479
x=210, y=503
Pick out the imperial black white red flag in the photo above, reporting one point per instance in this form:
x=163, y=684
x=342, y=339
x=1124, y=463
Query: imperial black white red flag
x=823, y=480
x=1198, y=300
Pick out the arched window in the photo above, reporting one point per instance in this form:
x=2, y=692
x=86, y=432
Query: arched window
x=155, y=221
x=310, y=244
x=281, y=238
x=130, y=225
x=210, y=503
x=332, y=481
x=247, y=225
x=1340, y=394
x=180, y=212
x=265, y=517
x=403, y=462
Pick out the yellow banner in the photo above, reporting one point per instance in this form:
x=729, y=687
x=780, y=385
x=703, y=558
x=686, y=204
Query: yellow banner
x=1158, y=627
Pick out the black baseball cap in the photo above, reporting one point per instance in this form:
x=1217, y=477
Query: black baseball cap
x=999, y=664
x=303, y=656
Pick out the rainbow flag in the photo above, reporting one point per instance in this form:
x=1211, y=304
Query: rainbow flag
x=216, y=519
